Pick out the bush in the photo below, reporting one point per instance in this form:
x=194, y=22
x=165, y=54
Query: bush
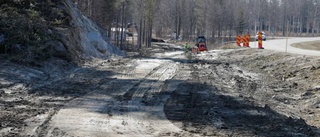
x=28, y=25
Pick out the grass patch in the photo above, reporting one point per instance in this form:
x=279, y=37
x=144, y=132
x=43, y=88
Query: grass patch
x=228, y=46
x=313, y=45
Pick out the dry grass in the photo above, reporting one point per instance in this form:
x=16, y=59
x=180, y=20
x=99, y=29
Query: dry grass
x=228, y=46
x=313, y=45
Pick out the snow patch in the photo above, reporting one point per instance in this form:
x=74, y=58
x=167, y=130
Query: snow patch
x=85, y=39
x=148, y=64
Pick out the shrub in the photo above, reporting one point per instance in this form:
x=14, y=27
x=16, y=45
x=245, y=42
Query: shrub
x=28, y=25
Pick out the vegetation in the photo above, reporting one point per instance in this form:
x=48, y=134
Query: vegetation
x=314, y=45
x=28, y=27
x=212, y=18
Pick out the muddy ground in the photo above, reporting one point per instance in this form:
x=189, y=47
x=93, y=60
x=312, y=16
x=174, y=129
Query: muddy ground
x=234, y=92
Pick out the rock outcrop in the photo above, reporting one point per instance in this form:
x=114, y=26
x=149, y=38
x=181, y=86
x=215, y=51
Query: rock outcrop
x=84, y=39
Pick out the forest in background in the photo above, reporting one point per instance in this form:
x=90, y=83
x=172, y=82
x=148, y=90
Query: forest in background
x=211, y=18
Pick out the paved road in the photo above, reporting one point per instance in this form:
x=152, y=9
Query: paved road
x=280, y=45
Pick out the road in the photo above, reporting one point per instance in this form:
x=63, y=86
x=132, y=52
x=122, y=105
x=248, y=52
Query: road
x=131, y=104
x=280, y=45
x=174, y=94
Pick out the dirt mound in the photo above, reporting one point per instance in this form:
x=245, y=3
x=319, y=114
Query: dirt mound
x=249, y=92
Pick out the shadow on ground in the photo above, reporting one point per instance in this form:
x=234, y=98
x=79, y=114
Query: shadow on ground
x=202, y=110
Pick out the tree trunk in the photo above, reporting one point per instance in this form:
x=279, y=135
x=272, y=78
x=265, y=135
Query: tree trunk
x=140, y=33
x=122, y=26
x=144, y=32
x=179, y=25
x=150, y=34
x=117, y=30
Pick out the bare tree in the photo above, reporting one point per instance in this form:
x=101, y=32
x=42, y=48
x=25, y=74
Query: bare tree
x=211, y=18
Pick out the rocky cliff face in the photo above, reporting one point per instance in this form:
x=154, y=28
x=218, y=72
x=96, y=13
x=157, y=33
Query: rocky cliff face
x=38, y=30
x=84, y=39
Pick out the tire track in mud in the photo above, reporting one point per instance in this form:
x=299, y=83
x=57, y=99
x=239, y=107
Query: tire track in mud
x=153, y=81
x=223, y=101
x=145, y=117
x=159, y=81
x=65, y=119
x=125, y=106
x=45, y=128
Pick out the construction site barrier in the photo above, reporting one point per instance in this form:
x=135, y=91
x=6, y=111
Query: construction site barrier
x=260, y=40
x=238, y=41
x=248, y=40
x=245, y=40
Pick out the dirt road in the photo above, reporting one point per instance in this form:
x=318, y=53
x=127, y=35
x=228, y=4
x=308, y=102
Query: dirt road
x=166, y=92
x=129, y=105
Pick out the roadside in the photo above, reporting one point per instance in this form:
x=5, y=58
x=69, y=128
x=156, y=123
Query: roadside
x=284, y=45
x=250, y=92
x=314, y=45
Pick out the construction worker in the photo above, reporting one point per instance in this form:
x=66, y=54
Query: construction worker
x=187, y=47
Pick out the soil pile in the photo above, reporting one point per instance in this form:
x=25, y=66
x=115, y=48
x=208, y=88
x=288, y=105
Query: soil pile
x=249, y=92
